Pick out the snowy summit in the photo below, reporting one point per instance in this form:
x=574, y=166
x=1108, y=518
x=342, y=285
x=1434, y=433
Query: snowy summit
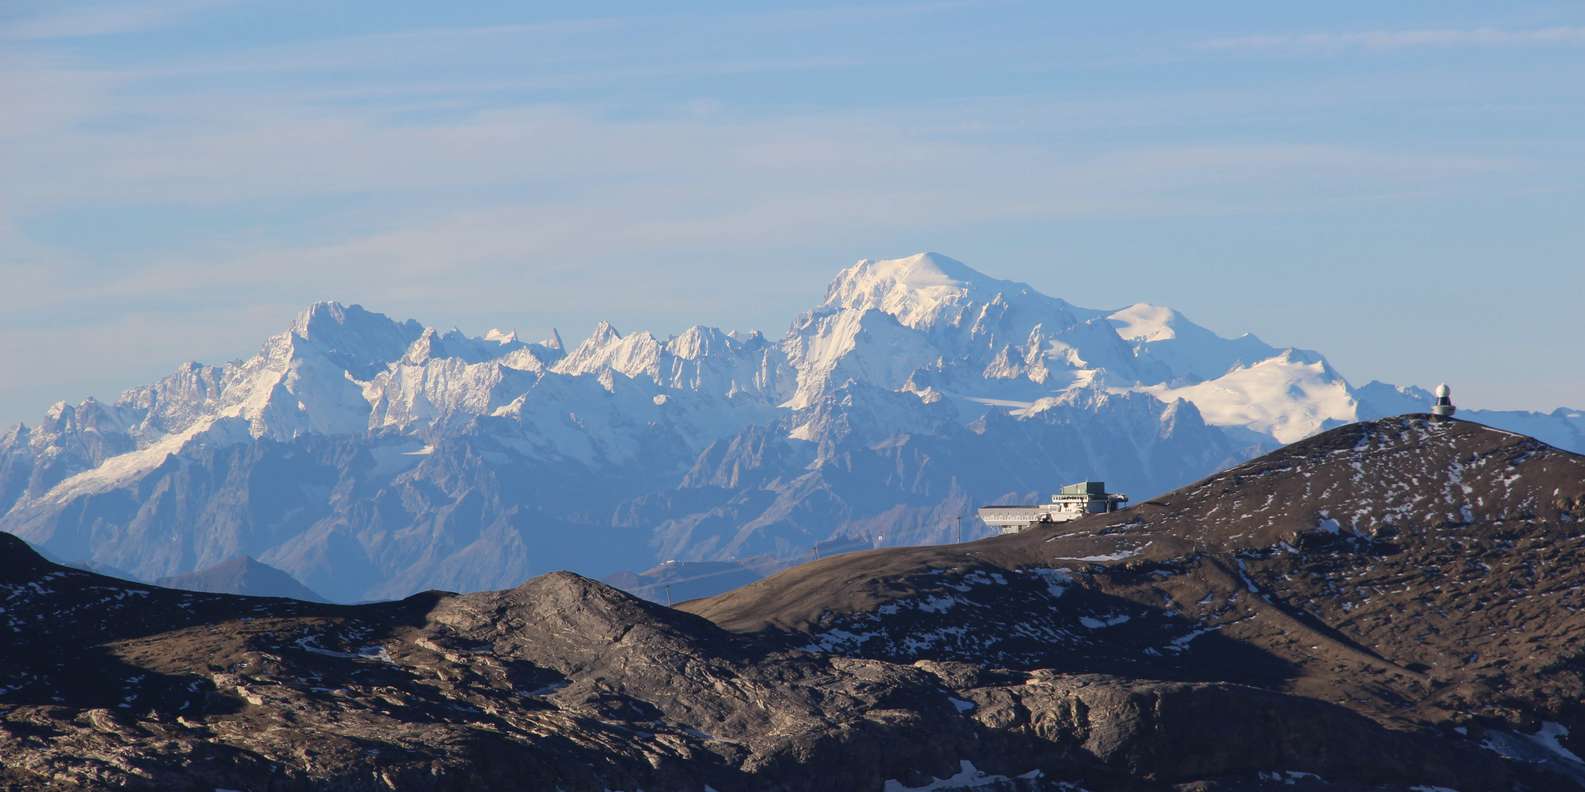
x=368, y=457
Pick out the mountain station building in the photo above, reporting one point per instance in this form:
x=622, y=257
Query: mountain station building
x=1071, y=503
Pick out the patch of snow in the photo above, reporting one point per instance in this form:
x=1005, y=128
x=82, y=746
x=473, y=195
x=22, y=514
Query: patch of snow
x=124, y=468
x=1103, y=622
x=1181, y=643
x=1290, y=396
x=834, y=639
x=375, y=652
x=1056, y=580
x=967, y=777
x=1243, y=574
x=1542, y=747
x=1547, y=737
x=937, y=604
x=1117, y=556
x=1288, y=777
x=1327, y=525
x=920, y=642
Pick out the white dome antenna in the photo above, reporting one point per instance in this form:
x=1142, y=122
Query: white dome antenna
x=1443, y=407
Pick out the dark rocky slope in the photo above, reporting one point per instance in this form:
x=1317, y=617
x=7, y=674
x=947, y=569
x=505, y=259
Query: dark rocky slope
x=1424, y=574
x=1391, y=605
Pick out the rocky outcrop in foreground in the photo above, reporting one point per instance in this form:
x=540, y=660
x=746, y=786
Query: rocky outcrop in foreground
x=1391, y=605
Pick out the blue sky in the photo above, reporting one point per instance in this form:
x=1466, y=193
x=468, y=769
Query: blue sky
x=1397, y=185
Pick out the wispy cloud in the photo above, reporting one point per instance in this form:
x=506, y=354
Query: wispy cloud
x=547, y=168
x=102, y=20
x=1396, y=39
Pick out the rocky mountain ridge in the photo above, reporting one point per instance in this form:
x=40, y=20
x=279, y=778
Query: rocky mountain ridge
x=1393, y=605
x=371, y=458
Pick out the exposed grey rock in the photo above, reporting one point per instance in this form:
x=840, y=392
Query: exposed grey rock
x=1189, y=644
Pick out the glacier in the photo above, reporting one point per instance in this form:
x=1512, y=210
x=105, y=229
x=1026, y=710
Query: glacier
x=372, y=458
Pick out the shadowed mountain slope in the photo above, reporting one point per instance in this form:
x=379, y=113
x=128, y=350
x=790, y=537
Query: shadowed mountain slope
x=242, y=575
x=1425, y=573
x=1390, y=605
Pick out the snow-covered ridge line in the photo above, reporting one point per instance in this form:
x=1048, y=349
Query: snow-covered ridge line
x=909, y=369
x=906, y=323
x=913, y=323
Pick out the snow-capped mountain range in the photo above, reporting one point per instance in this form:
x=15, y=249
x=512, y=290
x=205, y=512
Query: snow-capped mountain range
x=370, y=457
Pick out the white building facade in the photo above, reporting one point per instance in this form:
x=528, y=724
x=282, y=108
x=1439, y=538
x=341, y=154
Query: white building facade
x=1071, y=503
